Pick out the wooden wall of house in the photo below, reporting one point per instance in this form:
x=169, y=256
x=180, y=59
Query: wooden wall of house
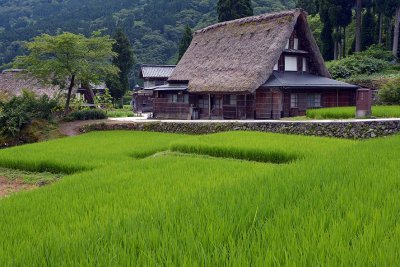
x=329, y=98
x=341, y=98
x=143, y=103
x=269, y=104
x=163, y=108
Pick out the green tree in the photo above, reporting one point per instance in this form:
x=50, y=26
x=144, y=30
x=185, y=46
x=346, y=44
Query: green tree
x=124, y=61
x=327, y=31
x=234, y=9
x=368, y=30
x=311, y=6
x=327, y=41
x=68, y=58
x=185, y=41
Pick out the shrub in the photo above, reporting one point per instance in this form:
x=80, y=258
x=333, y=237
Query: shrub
x=83, y=115
x=19, y=112
x=378, y=52
x=390, y=93
x=355, y=65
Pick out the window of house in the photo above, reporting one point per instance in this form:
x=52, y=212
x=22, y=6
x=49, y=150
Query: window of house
x=203, y=102
x=299, y=63
x=230, y=100
x=159, y=83
x=314, y=100
x=290, y=63
x=294, y=100
x=174, y=98
x=296, y=43
x=216, y=103
x=186, y=99
x=281, y=63
x=305, y=67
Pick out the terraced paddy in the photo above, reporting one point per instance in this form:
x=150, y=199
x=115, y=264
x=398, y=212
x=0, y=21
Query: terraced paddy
x=238, y=198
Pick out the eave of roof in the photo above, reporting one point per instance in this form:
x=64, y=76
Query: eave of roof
x=304, y=80
x=171, y=87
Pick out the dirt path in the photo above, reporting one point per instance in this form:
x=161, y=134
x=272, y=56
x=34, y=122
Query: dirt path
x=72, y=128
x=8, y=187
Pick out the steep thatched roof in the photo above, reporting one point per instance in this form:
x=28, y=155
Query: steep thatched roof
x=13, y=82
x=239, y=56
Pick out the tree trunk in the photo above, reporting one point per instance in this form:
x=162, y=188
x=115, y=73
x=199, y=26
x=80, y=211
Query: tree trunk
x=71, y=86
x=358, y=25
x=388, y=33
x=344, y=43
x=396, y=33
x=380, y=27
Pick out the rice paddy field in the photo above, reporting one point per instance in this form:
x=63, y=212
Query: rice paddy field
x=350, y=112
x=236, y=198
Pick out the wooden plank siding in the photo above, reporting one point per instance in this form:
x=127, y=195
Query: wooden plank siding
x=164, y=109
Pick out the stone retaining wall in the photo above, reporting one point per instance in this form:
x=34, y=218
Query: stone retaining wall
x=340, y=129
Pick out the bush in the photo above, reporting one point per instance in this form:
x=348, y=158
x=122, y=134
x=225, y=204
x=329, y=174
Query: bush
x=19, y=111
x=373, y=60
x=355, y=65
x=378, y=52
x=83, y=115
x=390, y=93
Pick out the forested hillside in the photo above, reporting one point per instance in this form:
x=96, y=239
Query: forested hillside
x=154, y=26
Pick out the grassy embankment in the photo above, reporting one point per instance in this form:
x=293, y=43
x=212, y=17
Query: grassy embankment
x=335, y=202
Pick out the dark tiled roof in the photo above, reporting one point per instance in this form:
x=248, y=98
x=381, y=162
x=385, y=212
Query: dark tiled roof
x=156, y=71
x=304, y=80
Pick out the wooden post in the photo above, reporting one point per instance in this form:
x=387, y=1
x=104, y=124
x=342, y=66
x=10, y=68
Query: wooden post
x=209, y=106
x=337, y=97
x=237, y=106
x=245, y=106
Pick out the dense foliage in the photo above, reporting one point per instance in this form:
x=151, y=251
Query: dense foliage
x=86, y=114
x=373, y=60
x=234, y=9
x=185, y=42
x=390, y=93
x=20, y=111
x=154, y=27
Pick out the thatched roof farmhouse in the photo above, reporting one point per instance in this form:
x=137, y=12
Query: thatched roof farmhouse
x=14, y=81
x=261, y=67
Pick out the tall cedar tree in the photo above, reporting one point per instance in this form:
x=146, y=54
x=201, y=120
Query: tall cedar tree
x=68, y=58
x=327, y=31
x=124, y=61
x=234, y=9
x=368, y=30
x=358, y=25
x=311, y=6
x=185, y=41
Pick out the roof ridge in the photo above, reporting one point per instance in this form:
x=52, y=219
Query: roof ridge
x=262, y=17
x=155, y=65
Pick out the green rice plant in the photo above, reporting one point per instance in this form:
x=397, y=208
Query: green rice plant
x=331, y=207
x=349, y=112
x=120, y=113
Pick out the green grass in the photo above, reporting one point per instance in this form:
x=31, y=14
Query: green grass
x=336, y=204
x=350, y=112
x=30, y=177
x=120, y=113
